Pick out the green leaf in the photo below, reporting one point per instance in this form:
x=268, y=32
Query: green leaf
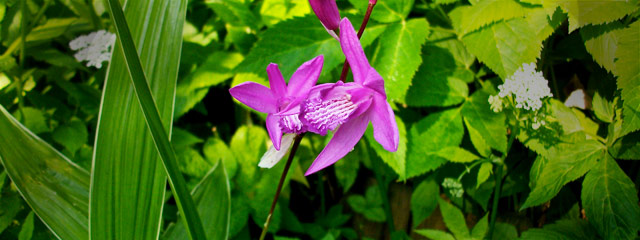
x=213, y=199
x=248, y=144
x=428, y=136
x=274, y=11
x=375, y=214
x=55, y=188
x=347, y=169
x=216, y=150
x=610, y=201
x=544, y=25
x=71, y=135
x=481, y=228
x=385, y=11
x=234, y=12
x=33, y=119
x=457, y=154
x=567, y=162
x=128, y=181
x=397, y=55
x=358, y=203
x=440, y=77
x=603, y=108
x=56, y=27
x=215, y=70
x=435, y=234
x=582, y=13
x=484, y=172
x=563, y=229
x=27, y=228
x=628, y=71
x=602, y=42
x=424, y=200
x=627, y=147
x=454, y=219
x=487, y=12
x=504, y=46
x=11, y=205
x=396, y=160
x=504, y=231
x=486, y=127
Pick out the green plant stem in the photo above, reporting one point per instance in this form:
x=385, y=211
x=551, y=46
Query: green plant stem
x=382, y=185
x=23, y=39
x=182, y=195
x=498, y=188
x=294, y=149
x=345, y=66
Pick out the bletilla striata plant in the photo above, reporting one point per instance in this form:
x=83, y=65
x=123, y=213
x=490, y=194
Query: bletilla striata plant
x=345, y=108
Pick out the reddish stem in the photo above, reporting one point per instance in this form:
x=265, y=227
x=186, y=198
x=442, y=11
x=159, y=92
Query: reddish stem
x=345, y=66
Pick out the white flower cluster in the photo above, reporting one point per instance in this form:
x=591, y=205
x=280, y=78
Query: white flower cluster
x=538, y=122
x=454, y=186
x=528, y=86
x=496, y=103
x=94, y=48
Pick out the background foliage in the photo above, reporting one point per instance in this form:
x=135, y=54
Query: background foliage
x=576, y=177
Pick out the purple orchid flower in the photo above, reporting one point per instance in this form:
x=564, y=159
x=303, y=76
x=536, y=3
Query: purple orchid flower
x=280, y=97
x=327, y=12
x=350, y=106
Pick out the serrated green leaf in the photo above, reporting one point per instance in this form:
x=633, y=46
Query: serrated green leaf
x=602, y=42
x=628, y=71
x=567, y=162
x=235, y=12
x=397, y=55
x=603, y=108
x=428, y=136
x=215, y=70
x=438, y=81
x=71, y=135
x=484, y=172
x=215, y=150
x=457, y=154
x=454, y=219
x=627, y=147
x=385, y=11
x=582, y=13
x=486, y=127
x=487, y=12
x=435, y=234
x=55, y=188
x=424, y=200
x=610, y=201
x=504, y=46
x=213, y=200
x=562, y=229
x=33, y=119
x=396, y=160
x=274, y=11
x=26, y=232
x=543, y=24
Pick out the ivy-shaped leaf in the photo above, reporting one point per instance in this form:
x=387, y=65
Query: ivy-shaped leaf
x=397, y=55
x=610, y=201
x=628, y=71
x=568, y=162
x=504, y=46
x=428, y=136
x=582, y=13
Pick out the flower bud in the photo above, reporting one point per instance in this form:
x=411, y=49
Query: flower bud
x=327, y=12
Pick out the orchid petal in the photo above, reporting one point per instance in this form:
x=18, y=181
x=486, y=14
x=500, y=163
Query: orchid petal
x=276, y=81
x=273, y=156
x=305, y=77
x=353, y=51
x=255, y=96
x=362, y=98
x=327, y=12
x=385, y=129
x=275, y=132
x=343, y=141
x=374, y=81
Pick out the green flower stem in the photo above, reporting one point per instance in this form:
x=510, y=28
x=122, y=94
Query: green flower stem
x=181, y=194
x=345, y=66
x=382, y=185
x=294, y=149
x=498, y=188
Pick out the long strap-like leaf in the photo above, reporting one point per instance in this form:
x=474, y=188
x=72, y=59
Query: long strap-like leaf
x=56, y=189
x=128, y=181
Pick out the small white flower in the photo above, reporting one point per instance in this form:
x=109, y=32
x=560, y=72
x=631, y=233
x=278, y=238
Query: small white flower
x=94, y=48
x=496, y=103
x=537, y=123
x=528, y=86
